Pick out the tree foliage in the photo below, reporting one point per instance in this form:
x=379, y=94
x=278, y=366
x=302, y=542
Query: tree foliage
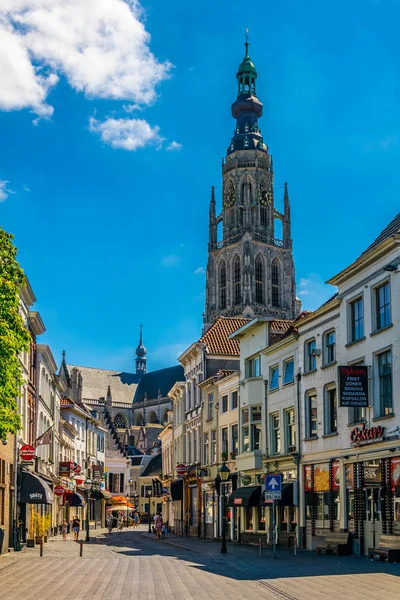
x=14, y=337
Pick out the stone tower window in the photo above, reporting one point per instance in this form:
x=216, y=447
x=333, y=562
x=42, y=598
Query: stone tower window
x=259, y=272
x=237, y=292
x=222, y=286
x=120, y=422
x=275, y=282
x=263, y=215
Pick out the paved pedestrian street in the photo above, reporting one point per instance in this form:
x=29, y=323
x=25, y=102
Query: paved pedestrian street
x=132, y=564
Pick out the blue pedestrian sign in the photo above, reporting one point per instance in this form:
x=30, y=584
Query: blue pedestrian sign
x=273, y=487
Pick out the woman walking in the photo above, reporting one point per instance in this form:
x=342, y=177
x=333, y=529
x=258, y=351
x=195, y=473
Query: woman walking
x=76, y=525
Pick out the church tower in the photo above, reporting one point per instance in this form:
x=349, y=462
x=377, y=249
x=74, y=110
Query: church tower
x=141, y=359
x=249, y=271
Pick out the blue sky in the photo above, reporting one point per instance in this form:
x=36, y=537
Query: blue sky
x=110, y=141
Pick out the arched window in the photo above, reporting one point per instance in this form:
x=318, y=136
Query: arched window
x=222, y=285
x=263, y=215
x=237, y=288
x=165, y=415
x=275, y=282
x=139, y=419
x=120, y=422
x=153, y=417
x=259, y=272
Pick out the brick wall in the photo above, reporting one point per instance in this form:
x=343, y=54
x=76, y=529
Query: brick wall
x=6, y=491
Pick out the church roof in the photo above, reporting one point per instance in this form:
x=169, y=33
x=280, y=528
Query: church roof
x=280, y=325
x=390, y=230
x=217, y=339
x=96, y=381
x=155, y=382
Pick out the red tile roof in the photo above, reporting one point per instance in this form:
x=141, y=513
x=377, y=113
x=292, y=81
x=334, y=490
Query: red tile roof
x=69, y=402
x=217, y=339
x=280, y=325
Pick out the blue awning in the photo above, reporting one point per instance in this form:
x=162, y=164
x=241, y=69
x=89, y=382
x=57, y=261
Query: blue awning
x=76, y=499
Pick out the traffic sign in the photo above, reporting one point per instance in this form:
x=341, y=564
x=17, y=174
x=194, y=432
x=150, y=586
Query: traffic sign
x=273, y=487
x=27, y=452
x=181, y=469
x=58, y=490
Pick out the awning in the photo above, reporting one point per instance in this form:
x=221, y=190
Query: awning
x=76, y=499
x=119, y=507
x=106, y=495
x=245, y=496
x=286, y=499
x=34, y=490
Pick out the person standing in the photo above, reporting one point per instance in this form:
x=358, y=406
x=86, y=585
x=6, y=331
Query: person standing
x=76, y=525
x=158, y=525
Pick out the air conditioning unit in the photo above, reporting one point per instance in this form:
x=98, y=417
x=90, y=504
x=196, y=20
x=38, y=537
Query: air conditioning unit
x=316, y=352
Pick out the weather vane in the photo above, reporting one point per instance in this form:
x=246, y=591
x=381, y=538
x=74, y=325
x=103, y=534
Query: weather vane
x=246, y=35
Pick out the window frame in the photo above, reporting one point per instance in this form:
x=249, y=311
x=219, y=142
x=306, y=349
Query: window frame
x=351, y=320
x=253, y=366
x=235, y=394
x=312, y=393
x=290, y=430
x=276, y=440
x=210, y=405
x=224, y=403
x=310, y=360
x=327, y=360
x=285, y=365
x=330, y=421
x=379, y=408
x=377, y=326
x=272, y=370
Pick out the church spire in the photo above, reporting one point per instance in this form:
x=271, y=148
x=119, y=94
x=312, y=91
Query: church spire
x=287, y=240
x=213, y=222
x=141, y=355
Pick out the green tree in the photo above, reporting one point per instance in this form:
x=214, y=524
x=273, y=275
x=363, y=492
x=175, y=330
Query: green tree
x=14, y=337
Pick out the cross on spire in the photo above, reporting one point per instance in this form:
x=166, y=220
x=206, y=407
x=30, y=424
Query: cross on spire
x=246, y=35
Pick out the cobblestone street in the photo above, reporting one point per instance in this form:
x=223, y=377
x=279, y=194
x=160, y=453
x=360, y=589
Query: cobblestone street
x=133, y=565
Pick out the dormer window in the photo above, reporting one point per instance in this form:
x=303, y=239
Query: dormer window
x=246, y=143
x=246, y=127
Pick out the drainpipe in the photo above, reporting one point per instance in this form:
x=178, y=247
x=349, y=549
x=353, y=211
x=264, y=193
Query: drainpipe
x=300, y=533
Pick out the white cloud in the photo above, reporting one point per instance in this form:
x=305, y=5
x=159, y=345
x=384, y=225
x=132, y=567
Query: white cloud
x=100, y=47
x=129, y=108
x=200, y=271
x=174, y=146
x=26, y=189
x=4, y=190
x=171, y=260
x=313, y=291
x=129, y=134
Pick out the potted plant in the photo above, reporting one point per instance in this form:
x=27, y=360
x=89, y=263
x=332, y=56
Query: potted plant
x=47, y=525
x=40, y=528
x=30, y=540
x=224, y=456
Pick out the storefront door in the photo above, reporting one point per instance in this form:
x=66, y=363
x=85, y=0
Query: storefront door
x=372, y=517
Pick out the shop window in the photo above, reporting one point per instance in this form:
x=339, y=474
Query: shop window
x=330, y=409
x=311, y=414
x=274, y=377
x=310, y=359
x=275, y=434
x=329, y=355
x=290, y=430
x=288, y=371
x=249, y=518
x=261, y=514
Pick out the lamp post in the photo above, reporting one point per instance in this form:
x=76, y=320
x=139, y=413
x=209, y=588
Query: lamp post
x=224, y=473
x=149, y=495
x=90, y=488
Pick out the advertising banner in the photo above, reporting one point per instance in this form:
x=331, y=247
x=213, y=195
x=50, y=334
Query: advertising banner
x=335, y=475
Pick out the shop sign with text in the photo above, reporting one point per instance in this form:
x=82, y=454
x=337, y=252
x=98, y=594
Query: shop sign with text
x=359, y=436
x=353, y=386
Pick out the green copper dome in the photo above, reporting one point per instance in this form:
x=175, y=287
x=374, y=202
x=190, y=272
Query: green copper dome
x=246, y=66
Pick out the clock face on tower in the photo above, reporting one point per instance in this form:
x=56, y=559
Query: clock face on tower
x=229, y=198
x=266, y=197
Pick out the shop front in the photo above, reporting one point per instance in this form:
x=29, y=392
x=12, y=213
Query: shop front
x=177, y=526
x=35, y=501
x=322, y=501
x=250, y=514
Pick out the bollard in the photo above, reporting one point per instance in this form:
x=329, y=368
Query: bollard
x=80, y=548
x=41, y=548
x=295, y=546
x=260, y=546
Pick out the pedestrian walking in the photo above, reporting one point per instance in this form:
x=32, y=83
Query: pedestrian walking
x=76, y=525
x=110, y=522
x=135, y=520
x=64, y=530
x=120, y=522
x=158, y=525
x=164, y=531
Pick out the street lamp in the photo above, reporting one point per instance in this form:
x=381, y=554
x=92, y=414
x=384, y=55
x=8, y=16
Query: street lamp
x=149, y=495
x=90, y=488
x=224, y=473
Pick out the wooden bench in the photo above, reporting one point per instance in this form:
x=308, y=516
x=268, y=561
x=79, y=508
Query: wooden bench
x=335, y=543
x=388, y=549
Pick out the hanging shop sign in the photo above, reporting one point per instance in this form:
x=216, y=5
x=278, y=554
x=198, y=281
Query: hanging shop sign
x=335, y=475
x=65, y=468
x=360, y=436
x=58, y=490
x=181, y=469
x=246, y=480
x=77, y=468
x=27, y=452
x=353, y=386
x=97, y=471
x=372, y=472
